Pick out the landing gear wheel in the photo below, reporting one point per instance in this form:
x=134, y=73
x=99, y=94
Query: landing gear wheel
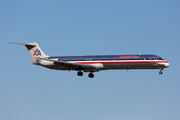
x=160, y=72
x=91, y=75
x=80, y=73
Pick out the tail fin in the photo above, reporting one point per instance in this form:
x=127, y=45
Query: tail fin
x=34, y=50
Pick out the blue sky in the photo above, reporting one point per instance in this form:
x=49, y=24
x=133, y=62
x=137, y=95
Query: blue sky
x=96, y=27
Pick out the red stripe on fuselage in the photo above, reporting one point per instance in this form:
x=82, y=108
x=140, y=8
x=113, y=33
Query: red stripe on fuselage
x=107, y=62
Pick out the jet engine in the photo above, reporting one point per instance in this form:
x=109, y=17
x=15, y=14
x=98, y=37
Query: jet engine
x=42, y=62
x=45, y=62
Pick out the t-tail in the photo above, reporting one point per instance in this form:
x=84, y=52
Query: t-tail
x=34, y=50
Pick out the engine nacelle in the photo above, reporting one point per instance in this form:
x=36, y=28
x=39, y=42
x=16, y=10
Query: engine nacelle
x=34, y=62
x=45, y=62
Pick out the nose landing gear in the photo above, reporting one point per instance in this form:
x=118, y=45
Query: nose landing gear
x=160, y=72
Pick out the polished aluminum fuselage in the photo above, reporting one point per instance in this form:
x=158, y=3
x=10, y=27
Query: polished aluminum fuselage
x=110, y=62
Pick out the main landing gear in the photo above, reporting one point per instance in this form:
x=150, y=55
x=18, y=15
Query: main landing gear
x=80, y=73
x=160, y=72
x=91, y=75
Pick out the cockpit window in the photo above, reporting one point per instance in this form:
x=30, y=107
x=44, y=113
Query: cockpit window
x=158, y=58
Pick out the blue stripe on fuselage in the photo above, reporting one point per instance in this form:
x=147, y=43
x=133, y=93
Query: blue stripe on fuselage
x=106, y=57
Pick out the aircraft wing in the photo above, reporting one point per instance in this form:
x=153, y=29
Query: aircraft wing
x=75, y=65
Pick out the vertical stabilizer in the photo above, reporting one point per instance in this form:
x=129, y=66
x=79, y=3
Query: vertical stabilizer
x=35, y=50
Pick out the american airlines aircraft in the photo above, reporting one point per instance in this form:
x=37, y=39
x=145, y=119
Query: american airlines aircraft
x=93, y=64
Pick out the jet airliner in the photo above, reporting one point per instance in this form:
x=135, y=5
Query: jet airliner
x=96, y=63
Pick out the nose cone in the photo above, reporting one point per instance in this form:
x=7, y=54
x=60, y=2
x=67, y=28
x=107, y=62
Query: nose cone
x=167, y=64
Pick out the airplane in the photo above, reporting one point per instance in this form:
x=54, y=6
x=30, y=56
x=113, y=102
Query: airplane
x=92, y=63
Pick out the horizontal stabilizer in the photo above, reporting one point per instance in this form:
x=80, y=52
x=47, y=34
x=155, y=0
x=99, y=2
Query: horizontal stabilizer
x=22, y=44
